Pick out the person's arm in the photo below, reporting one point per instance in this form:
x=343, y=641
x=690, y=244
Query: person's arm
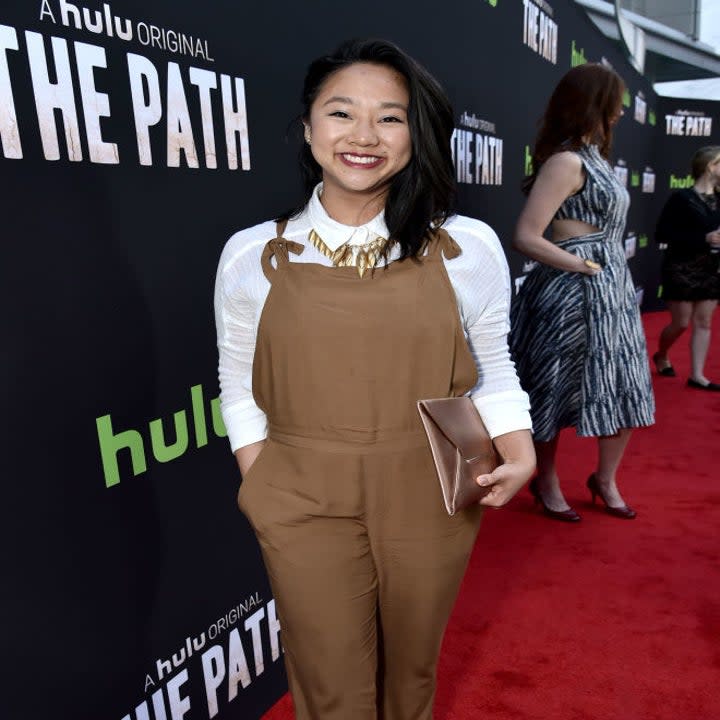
x=683, y=226
x=665, y=226
x=561, y=176
x=237, y=289
x=518, y=463
x=483, y=289
x=247, y=455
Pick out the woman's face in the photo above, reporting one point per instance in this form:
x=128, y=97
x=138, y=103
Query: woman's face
x=358, y=129
x=713, y=170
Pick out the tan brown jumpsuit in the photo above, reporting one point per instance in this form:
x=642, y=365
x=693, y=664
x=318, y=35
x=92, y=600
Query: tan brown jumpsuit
x=363, y=560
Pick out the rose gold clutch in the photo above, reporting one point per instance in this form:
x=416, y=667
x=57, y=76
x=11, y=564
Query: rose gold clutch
x=461, y=449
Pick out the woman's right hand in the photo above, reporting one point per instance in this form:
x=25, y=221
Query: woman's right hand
x=589, y=267
x=247, y=455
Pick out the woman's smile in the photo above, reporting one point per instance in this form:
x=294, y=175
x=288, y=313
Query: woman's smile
x=361, y=161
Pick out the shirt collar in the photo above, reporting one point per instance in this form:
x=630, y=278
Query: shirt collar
x=335, y=234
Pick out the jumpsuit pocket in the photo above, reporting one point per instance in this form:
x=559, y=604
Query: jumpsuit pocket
x=247, y=479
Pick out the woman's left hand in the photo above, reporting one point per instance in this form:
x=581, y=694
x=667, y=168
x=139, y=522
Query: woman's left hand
x=505, y=481
x=518, y=454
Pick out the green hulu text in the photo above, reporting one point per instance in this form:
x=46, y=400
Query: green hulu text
x=577, y=55
x=112, y=442
x=677, y=183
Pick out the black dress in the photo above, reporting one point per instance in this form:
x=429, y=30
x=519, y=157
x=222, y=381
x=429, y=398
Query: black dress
x=690, y=270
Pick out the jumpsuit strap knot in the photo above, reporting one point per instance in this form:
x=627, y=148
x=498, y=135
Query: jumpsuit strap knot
x=280, y=249
x=442, y=242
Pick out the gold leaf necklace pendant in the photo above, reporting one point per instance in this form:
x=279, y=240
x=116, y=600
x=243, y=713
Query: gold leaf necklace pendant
x=362, y=257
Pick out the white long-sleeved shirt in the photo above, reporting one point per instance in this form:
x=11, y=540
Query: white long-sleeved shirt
x=479, y=276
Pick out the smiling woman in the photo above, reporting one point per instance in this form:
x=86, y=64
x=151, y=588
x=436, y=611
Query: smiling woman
x=333, y=321
x=358, y=133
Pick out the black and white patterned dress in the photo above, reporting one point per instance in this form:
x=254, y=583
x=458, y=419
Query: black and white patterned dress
x=577, y=339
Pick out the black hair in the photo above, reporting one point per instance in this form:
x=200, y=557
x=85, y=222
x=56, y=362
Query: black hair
x=421, y=196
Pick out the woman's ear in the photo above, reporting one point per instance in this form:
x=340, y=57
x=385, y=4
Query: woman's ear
x=307, y=134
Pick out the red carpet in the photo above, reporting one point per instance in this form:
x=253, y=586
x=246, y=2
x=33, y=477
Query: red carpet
x=608, y=619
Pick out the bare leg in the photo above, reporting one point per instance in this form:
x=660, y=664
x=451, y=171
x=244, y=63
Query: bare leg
x=700, y=338
x=611, y=449
x=547, y=481
x=680, y=314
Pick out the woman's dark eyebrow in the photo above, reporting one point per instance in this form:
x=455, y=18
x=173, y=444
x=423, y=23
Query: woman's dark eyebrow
x=348, y=101
x=338, y=98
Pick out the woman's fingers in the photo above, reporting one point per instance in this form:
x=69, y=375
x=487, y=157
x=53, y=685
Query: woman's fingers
x=504, y=482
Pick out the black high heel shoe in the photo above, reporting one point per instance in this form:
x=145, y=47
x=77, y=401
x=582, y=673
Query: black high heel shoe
x=563, y=515
x=663, y=368
x=625, y=512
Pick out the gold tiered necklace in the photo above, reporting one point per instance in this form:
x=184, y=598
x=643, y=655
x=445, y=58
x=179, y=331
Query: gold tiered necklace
x=361, y=257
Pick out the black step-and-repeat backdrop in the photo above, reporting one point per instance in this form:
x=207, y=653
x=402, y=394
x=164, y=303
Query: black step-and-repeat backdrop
x=135, y=138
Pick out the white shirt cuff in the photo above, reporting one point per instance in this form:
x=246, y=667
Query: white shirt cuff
x=504, y=412
x=245, y=425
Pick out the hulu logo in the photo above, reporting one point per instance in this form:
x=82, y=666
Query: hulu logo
x=634, y=179
x=642, y=241
x=626, y=98
x=577, y=56
x=111, y=443
x=528, y=162
x=678, y=183
x=652, y=119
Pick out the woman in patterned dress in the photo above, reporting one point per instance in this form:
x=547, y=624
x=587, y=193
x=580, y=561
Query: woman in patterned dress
x=576, y=332
x=689, y=225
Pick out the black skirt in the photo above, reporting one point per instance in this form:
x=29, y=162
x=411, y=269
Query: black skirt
x=692, y=280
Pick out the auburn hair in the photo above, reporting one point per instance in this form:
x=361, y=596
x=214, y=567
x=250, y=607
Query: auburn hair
x=584, y=104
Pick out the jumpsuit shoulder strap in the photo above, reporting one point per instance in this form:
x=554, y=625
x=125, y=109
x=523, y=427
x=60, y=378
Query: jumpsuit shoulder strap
x=441, y=241
x=280, y=249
